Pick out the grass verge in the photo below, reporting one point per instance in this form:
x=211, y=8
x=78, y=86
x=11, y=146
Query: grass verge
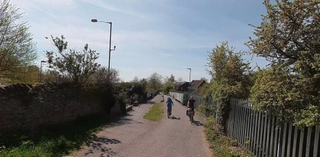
x=155, y=113
x=221, y=145
x=53, y=141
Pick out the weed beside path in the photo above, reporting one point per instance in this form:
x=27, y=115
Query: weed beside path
x=222, y=146
x=156, y=113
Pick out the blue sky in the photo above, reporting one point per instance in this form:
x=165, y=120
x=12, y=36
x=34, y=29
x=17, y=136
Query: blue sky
x=163, y=36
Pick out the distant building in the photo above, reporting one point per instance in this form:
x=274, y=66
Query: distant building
x=182, y=87
x=196, y=84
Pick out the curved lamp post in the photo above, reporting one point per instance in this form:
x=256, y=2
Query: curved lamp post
x=95, y=20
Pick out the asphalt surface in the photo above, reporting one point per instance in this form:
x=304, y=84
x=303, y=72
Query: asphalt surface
x=133, y=136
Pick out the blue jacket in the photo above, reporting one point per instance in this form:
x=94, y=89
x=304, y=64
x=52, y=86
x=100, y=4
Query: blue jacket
x=169, y=102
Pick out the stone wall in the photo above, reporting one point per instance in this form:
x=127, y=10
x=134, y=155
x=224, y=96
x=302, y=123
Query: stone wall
x=26, y=107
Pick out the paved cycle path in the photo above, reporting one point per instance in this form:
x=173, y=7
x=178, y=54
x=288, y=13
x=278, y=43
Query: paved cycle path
x=133, y=136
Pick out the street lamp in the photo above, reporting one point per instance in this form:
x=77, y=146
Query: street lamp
x=189, y=75
x=41, y=70
x=189, y=78
x=95, y=20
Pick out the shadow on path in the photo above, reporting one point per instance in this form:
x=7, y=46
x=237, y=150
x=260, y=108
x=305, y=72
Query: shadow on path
x=197, y=123
x=173, y=117
x=151, y=102
x=118, y=120
x=98, y=146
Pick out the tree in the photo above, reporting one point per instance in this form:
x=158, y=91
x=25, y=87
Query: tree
x=135, y=79
x=169, y=84
x=50, y=76
x=228, y=71
x=204, y=79
x=139, y=85
x=289, y=37
x=138, y=88
x=206, y=107
x=77, y=65
x=154, y=82
x=171, y=79
x=101, y=76
x=289, y=30
x=180, y=79
x=28, y=74
x=16, y=47
x=143, y=83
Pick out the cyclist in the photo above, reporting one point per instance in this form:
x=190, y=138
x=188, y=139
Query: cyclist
x=169, y=106
x=191, y=106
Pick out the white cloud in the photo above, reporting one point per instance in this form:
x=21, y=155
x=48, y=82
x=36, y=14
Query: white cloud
x=117, y=6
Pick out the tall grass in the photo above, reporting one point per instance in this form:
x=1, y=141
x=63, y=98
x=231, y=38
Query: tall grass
x=155, y=113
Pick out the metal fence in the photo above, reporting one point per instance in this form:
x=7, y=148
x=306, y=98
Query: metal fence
x=258, y=132
x=177, y=96
x=196, y=97
x=180, y=96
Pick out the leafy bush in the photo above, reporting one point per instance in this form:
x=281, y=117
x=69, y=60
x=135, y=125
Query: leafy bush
x=230, y=79
x=220, y=144
x=288, y=37
x=77, y=65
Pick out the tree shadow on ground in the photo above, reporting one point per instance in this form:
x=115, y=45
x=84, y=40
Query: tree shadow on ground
x=175, y=118
x=72, y=135
x=118, y=120
x=98, y=146
x=197, y=123
x=151, y=102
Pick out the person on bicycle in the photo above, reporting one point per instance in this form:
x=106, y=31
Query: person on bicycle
x=191, y=105
x=169, y=105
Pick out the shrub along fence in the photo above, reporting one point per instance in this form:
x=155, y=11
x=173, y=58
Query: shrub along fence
x=258, y=132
